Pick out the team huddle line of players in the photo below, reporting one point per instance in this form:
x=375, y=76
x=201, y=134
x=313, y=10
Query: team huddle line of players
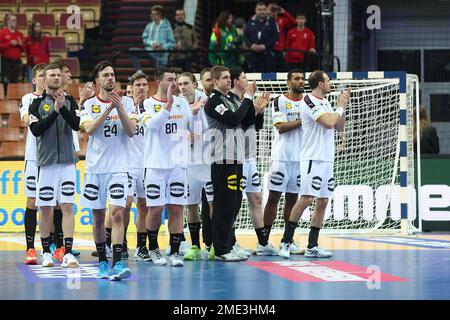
x=170, y=151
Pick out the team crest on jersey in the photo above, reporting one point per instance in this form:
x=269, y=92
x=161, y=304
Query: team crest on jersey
x=157, y=107
x=288, y=105
x=96, y=108
x=46, y=107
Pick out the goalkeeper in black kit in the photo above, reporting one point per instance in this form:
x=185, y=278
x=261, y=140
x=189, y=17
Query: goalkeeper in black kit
x=225, y=119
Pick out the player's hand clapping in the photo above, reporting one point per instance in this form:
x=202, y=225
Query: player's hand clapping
x=261, y=102
x=116, y=100
x=251, y=89
x=172, y=88
x=344, y=98
x=197, y=106
x=59, y=100
x=87, y=91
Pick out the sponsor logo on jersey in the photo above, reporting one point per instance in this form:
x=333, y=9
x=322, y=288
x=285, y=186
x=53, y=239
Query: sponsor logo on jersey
x=32, y=119
x=157, y=107
x=221, y=109
x=175, y=117
x=294, y=114
x=46, y=107
x=288, y=105
x=96, y=108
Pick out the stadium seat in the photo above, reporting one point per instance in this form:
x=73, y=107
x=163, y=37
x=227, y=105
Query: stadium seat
x=22, y=23
x=9, y=106
x=73, y=90
x=57, y=7
x=90, y=10
x=17, y=90
x=12, y=149
x=2, y=92
x=31, y=7
x=47, y=21
x=74, y=66
x=58, y=47
x=9, y=134
x=74, y=37
x=8, y=6
x=14, y=121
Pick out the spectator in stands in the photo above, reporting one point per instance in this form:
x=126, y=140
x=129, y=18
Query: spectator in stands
x=158, y=35
x=285, y=22
x=129, y=91
x=12, y=45
x=261, y=34
x=224, y=36
x=37, y=47
x=300, y=38
x=240, y=28
x=429, y=140
x=185, y=39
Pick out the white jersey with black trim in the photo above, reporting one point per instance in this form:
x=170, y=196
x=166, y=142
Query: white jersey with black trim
x=108, y=146
x=318, y=141
x=166, y=133
x=286, y=146
x=136, y=144
x=30, y=145
x=198, y=147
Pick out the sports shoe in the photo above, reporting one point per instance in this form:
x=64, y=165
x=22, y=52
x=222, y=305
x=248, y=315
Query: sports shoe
x=157, y=257
x=75, y=253
x=47, y=260
x=295, y=249
x=58, y=255
x=229, y=257
x=119, y=272
x=175, y=260
x=94, y=254
x=285, y=250
x=30, y=257
x=141, y=254
x=69, y=261
x=52, y=248
x=241, y=251
x=193, y=254
x=267, y=250
x=317, y=252
x=184, y=247
x=208, y=253
x=103, y=270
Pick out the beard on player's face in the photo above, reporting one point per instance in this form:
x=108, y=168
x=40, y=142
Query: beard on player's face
x=298, y=89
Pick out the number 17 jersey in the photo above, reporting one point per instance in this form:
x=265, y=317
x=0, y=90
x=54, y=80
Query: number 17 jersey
x=108, y=146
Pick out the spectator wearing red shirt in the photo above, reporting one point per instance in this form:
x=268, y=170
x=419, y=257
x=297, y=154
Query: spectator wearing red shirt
x=300, y=38
x=37, y=47
x=285, y=22
x=11, y=48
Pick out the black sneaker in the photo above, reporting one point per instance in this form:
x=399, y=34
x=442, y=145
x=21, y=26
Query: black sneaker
x=141, y=254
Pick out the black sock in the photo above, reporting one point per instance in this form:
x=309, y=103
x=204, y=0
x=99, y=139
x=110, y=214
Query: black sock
x=46, y=244
x=52, y=238
x=233, y=236
x=261, y=234
x=117, y=253
x=289, y=232
x=30, y=226
x=68, y=245
x=141, y=239
x=313, y=237
x=101, y=250
x=108, y=236
x=194, y=230
x=268, y=228
x=153, y=239
x=57, y=222
x=175, y=240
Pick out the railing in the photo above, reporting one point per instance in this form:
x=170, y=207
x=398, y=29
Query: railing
x=199, y=58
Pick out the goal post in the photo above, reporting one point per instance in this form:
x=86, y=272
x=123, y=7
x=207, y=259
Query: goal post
x=374, y=163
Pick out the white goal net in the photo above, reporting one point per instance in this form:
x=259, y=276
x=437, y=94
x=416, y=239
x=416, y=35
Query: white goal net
x=367, y=194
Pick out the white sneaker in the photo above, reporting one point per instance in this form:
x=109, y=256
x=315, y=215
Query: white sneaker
x=229, y=257
x=184, y=247
x=295, y=249
x=175, y=261
x=47, y=260
x=285, y=250
x=109, y=252
x=267, y=250
x=157, y=257
x=241, y=250
x=70, y=261
x=317, y=252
